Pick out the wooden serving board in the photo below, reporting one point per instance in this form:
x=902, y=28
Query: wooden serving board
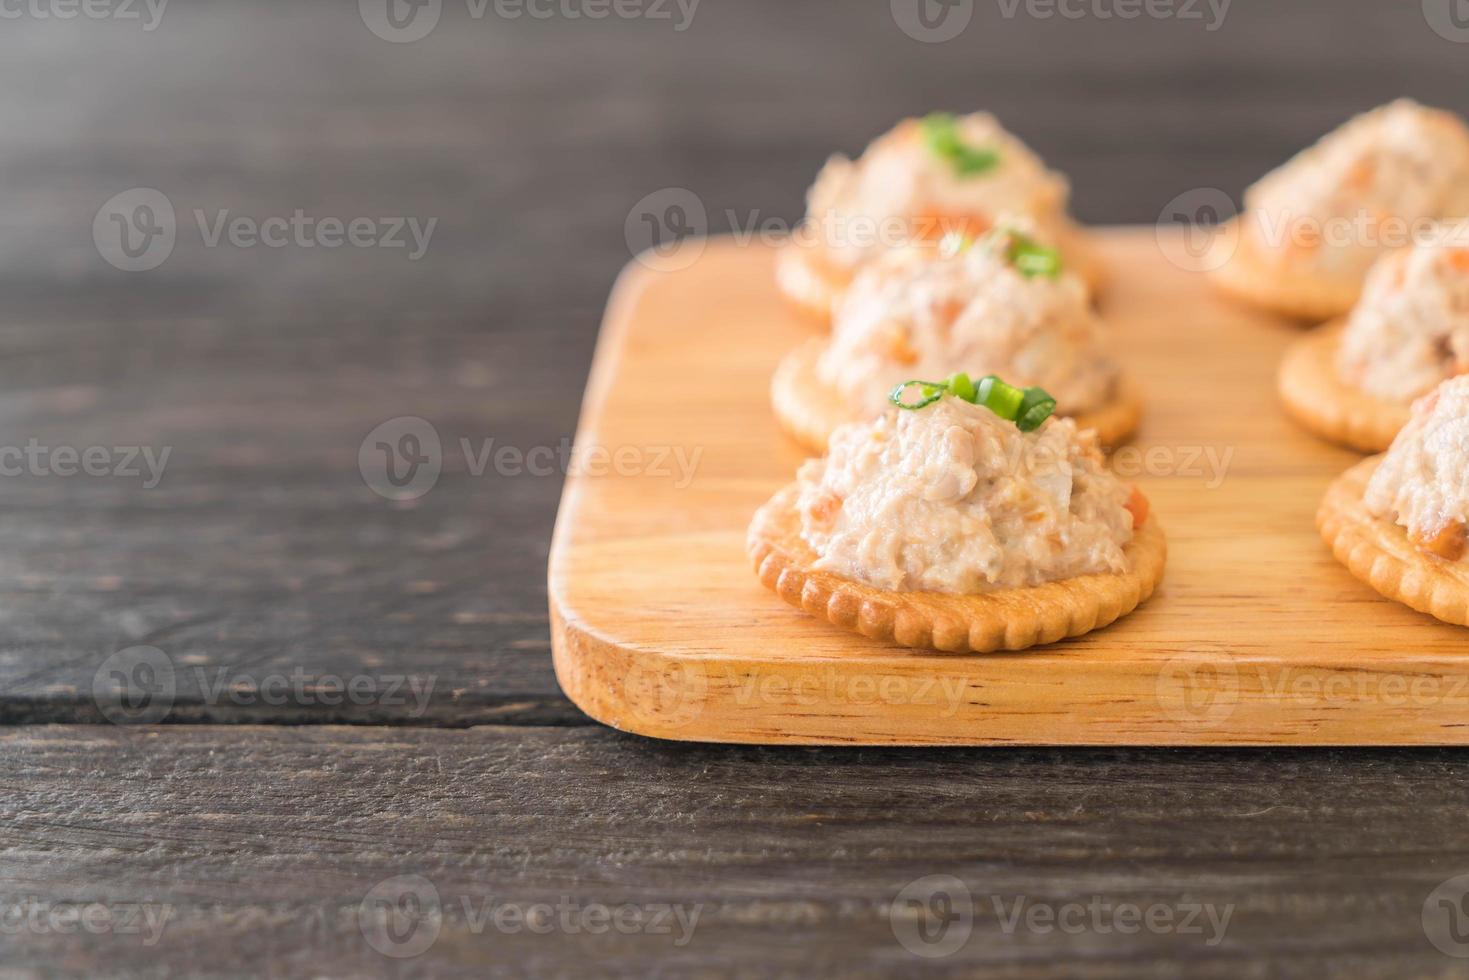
x=1256, y=636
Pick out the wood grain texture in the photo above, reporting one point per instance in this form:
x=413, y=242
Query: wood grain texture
x=530, y=141
x=1255, y=636
x=794, y=856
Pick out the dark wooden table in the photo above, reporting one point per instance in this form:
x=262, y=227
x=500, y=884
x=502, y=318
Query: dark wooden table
x=363, y=752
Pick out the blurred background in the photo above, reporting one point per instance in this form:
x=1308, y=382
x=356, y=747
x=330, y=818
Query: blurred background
x=529, y=130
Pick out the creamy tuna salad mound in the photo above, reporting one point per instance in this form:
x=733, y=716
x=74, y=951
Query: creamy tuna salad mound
x=1411, y=328
x=919, y=313
x=852, y=206
x=952, y=498
x=1422, y=482
x=1339, y=204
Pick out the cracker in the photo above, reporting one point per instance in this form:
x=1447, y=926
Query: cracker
x=1316, y=397
x=1247, y=277
x=1378, y=552
x=1011, y=619
x=1082, y=257
x=810, y=410
x=807, y=283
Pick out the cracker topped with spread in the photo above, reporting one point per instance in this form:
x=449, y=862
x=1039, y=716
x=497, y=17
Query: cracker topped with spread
x=1398, y=521
x=1312, y=228
x=1352, y=383
x=965, y=518
x=923, y=180
x=1005, y=304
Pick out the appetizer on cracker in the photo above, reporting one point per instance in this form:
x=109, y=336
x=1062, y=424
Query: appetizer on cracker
x=1312, y=228
x=964, y=518
x=1004, y=304
x=923, y=180
x=1353, y=383
x=1398, y=521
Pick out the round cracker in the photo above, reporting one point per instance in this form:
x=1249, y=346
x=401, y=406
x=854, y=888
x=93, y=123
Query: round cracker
x=1246, y=276
x=1010, y=619
x=1379, y=553
x=807, y=283
x=1325, y=405
x=1079, y=254
x=810, y=410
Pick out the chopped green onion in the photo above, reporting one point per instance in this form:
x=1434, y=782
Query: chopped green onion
x=1035, y=408
x=970, y=161
x=929, y=392
x=1026, y=407
x=1029, y=257
x=1036, y=260
x=941, y=130
x=1002, y=399
x=960, y=385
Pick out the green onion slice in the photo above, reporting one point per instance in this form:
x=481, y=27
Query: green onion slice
x=1029, y=257
x=960, y=385
x=1035, y=408
x=941, y=131
x=928, y=393
x=1002, y=399
x=1026, y=407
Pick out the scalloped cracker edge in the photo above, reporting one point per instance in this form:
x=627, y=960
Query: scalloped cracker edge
x=1379, y=553
x=1012, y=619
x=810, y=410
x=1244, y=276
x=1324, y=405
